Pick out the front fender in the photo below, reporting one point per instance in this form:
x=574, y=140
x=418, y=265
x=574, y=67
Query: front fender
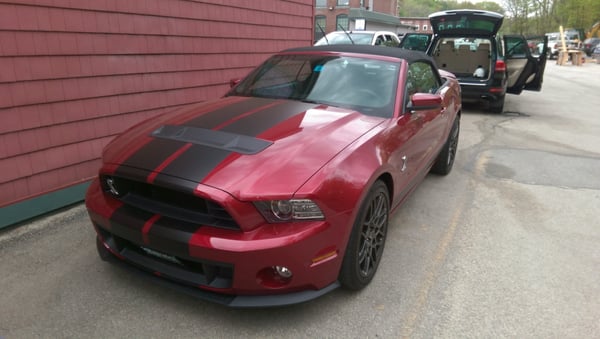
x=341, y=185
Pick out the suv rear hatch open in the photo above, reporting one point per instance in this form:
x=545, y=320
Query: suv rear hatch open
x=465, y=22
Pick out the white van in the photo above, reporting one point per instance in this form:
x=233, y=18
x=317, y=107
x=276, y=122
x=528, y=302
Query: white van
x=360, y=38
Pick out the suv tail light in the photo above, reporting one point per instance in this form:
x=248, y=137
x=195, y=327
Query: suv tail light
x=500, y=66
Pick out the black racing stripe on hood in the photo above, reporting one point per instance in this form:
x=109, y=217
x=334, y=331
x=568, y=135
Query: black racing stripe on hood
x=259, y=122
x=213, y=138
x=151, y=155
x=194, y=164
x=199, y=160
x=222, y=115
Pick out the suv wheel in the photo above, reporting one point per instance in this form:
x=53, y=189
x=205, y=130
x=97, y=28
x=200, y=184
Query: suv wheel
x=497, y=106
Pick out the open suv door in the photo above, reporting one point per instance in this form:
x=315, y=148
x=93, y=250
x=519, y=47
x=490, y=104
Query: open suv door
x=465, y=43
x=525, y=62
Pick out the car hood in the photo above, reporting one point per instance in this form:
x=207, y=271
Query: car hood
x=248, y=147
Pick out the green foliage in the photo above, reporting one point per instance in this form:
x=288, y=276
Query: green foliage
x=543, y=16
x=422, y=8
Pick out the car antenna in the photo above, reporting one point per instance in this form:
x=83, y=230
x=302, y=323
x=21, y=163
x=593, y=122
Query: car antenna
x=323, y=32
x=347, y=34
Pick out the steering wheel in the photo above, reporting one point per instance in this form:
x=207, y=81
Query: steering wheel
x=367, y=95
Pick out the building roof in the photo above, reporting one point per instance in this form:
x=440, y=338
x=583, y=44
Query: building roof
x=361, y=13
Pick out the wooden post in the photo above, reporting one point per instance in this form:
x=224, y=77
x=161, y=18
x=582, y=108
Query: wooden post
x=563, y=56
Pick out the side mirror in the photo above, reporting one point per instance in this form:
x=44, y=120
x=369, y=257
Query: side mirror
x=424, y=101
x=234, y=82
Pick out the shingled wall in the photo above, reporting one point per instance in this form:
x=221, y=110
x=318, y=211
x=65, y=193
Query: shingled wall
x=73, y=74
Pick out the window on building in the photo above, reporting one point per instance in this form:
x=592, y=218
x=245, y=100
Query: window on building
x=320, y=22
x=343, y=2
x=425, y=28
x=341, y=22
x=320, y=3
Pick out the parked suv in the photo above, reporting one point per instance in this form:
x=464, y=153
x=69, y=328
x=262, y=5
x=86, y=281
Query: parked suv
x=360, y=38
x=465, y=42
x=596, y=54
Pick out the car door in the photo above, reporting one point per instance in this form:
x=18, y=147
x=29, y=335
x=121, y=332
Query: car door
x=525, y=65
x=423, y=77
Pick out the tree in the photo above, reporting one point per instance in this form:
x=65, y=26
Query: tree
x=543, y=16
x=422, y=8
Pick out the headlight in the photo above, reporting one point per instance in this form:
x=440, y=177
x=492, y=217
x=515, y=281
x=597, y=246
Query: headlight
x=289, y=210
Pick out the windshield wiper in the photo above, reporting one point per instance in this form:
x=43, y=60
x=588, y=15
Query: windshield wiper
x=323, y=32
x=347, y=34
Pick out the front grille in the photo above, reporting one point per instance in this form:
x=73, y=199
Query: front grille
x=168, y=202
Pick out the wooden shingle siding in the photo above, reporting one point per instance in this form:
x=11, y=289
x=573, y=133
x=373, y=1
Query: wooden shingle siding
x=76, y=73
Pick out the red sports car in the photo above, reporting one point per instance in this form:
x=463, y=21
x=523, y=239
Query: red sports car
x=282, y=190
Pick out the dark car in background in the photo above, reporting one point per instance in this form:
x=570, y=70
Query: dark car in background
x=589, y=44
x=596, y=54
x=487, y=66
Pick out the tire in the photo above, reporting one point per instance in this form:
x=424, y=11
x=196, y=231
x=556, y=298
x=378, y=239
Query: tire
x=445, y=159
x=367, y=240
x=497, y=106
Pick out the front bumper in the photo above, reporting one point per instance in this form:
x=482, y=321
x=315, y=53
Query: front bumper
x=230, y=267
x=234, y=301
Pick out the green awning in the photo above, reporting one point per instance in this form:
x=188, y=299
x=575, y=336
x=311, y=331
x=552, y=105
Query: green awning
x=370, y=16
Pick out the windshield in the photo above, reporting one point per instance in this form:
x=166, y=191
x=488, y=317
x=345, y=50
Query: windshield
x=361, y=84
x=341, y=38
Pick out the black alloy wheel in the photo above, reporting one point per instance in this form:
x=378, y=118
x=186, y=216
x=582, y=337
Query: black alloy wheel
x=367, y=240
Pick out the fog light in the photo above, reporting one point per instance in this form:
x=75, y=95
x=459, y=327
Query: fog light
x=274, y=276
x=283, y=272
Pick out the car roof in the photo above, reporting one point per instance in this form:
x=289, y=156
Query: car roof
x=400, y=53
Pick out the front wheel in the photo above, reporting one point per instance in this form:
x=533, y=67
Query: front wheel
x=365, y=247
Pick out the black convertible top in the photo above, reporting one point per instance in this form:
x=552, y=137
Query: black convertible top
x=394, y=52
